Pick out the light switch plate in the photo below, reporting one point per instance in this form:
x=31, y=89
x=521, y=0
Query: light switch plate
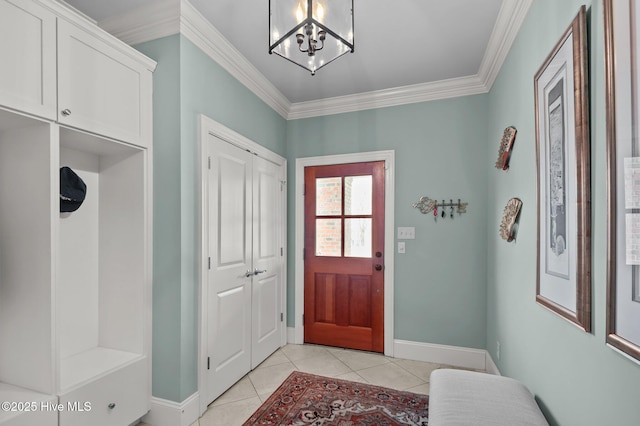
x=406, y=233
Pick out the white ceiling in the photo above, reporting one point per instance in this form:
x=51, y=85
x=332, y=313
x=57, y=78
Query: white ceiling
x=397, y=42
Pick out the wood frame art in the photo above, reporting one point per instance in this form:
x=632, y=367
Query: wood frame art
x=622, y=74
x=563, y=282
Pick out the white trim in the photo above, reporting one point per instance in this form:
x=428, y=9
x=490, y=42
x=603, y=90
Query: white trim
x=208, y=126
x=442, y=354
x=510, y=19
x=168, y=413
x=159, y=20
x=149, y=22
x=492, y=368
x=291, y=335
x=389, y=236
x=205, y=36
x=444, y=89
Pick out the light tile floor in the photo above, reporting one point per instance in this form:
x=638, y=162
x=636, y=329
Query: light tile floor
x=239, y=402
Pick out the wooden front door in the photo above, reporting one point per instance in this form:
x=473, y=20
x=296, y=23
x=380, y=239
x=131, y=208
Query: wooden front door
x=344, y=258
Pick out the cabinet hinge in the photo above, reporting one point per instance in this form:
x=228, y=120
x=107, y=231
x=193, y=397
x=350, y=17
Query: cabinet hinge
x=208, y=363
x=304, y=253
x=281, y=251
x=281, y=316
x=209, y=163
x=302, y=319
x=209, y=263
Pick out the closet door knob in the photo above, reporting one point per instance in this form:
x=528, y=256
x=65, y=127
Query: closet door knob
x=249, y=274
x=112, y=405
x=256, y=272
x=66, y=112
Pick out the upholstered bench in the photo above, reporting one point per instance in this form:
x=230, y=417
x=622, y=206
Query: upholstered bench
x=465, y=398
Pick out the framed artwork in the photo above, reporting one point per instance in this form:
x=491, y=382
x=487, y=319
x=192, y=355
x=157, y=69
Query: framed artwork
x=563, y=187
x=622, y=74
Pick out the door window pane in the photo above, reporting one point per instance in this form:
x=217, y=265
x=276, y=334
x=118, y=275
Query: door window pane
x=329, y=196
x=357, y=195
x=357, y=237
x=328, y=237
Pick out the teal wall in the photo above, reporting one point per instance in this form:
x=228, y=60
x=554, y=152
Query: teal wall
x=168, y=363
x=458, y=283
x=188, y=83
x=578, y=380
x=439, y=148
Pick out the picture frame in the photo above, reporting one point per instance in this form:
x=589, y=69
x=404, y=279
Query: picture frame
x=622, y=74
x=563, y=278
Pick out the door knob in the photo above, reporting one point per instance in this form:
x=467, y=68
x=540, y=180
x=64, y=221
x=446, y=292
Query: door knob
x=249, y=274
x=378, y=267
x=256, y=272
x=66, y=112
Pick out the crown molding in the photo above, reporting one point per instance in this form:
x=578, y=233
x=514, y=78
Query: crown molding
x=204, y=35
x=179, y=16
x=146, y=23
x=424, y=92
x=510, y=18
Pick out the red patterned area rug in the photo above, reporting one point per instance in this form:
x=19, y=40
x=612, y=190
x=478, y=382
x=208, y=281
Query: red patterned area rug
x=307, y=399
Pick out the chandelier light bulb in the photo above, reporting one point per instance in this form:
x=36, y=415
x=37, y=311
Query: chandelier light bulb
x=299, y=14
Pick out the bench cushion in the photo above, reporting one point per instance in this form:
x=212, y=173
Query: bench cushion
x=465, y=398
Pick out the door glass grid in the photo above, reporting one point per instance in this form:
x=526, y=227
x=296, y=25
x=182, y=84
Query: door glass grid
x=348, y=234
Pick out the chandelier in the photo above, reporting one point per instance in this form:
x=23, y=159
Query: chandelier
x=311, y=33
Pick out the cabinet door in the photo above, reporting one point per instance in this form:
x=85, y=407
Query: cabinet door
x=28, y=52
x=101, y=89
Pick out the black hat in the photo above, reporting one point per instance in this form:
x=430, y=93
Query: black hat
x=72, y=190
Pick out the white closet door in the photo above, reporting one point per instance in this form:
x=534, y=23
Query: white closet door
x=267, y=260
x=229, y=283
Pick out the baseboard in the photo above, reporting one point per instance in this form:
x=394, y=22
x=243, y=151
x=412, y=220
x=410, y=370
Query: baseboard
x=291, y=335
x=441, y=354
x=492, y=368
x=457, y=356
x=169, y=413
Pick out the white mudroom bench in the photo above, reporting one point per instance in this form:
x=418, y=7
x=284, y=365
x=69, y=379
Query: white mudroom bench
x=468, y=398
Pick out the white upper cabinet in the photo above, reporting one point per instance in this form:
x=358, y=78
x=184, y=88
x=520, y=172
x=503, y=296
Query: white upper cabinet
x=59, y=66
x=100, y=88
x=28, y=52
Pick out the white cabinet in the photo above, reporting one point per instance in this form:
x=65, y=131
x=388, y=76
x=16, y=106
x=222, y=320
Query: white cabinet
x=28, y=52
x=59, y=67
x=75, y=288
x=100, y=88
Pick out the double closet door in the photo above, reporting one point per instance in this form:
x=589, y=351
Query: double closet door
x=244, y=314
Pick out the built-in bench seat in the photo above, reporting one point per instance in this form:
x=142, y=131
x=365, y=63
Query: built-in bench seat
x=468, y=398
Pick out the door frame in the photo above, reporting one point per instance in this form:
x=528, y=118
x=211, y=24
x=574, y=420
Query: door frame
x=389, y=236
x=209, y=127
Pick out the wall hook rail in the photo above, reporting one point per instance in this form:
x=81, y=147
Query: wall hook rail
x=426, y=205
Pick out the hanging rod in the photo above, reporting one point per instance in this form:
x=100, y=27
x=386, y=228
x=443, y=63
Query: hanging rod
x=426, y=205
